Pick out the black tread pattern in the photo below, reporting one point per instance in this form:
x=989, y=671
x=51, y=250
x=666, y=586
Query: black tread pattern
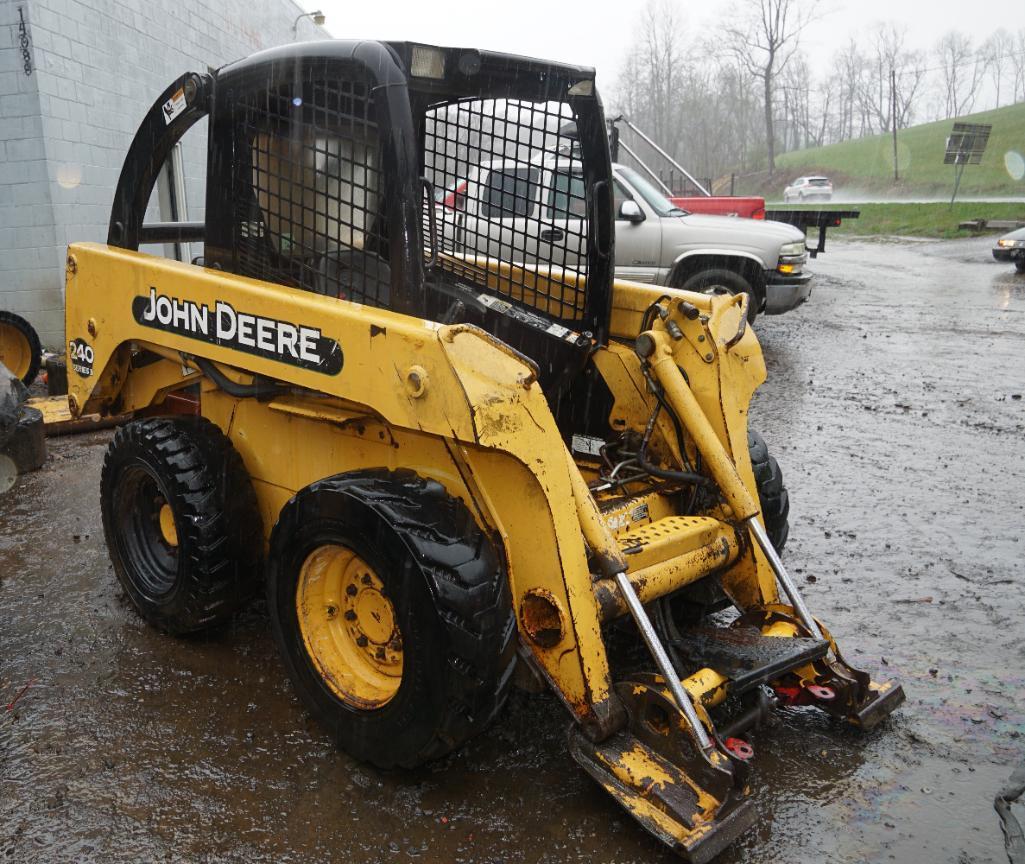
x=468, y=583
x=772, y=494
x=219, y=526
x=29, y=332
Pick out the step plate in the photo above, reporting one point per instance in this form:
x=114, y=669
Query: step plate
x=662, y=796
x=744, y=655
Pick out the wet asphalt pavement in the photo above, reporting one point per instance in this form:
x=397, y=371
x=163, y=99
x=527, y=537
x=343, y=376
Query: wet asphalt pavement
x=895, y=407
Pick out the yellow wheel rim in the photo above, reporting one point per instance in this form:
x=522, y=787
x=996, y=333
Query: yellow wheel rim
x=15, y=352
x=349, y=627
x=167, y=529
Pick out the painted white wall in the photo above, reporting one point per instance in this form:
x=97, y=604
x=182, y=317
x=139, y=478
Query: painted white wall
x=97, y=67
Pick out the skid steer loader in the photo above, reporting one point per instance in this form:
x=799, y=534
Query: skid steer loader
x=447, y=442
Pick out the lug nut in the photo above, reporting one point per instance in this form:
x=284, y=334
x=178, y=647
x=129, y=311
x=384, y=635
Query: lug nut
x=351, y=590
x=350, y=615
x=331, y=611
x=362, y=641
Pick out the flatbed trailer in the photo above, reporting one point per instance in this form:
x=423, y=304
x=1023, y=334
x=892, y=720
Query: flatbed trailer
x=805, y=219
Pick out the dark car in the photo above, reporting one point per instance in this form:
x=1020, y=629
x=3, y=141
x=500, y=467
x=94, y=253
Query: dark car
x=1011, y=247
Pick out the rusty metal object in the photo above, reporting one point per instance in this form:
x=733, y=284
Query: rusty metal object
x=655, y=769
x=666, y=576
x=541, y=618
x=830, y=683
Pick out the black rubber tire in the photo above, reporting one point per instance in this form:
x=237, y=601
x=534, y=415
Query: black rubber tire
x=772, y=494
x=730, y=281
x=215, y=568
x=452, y=605
x=32, y=338
x=26, y=446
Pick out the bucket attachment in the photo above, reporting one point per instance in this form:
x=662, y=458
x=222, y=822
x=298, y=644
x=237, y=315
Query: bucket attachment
x=655, y=767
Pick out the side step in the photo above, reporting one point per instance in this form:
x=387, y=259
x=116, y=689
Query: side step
x=695, y=805
x=746, y=656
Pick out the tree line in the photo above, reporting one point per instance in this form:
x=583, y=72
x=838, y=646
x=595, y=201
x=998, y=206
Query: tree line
x=732, y=99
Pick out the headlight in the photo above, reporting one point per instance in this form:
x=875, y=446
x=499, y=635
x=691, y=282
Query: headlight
x=1011, y=244
x=789, y=249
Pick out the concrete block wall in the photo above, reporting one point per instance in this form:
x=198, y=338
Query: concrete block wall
x=28, y=254
x=97, y=67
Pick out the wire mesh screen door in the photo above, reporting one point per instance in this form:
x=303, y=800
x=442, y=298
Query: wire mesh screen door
x=308, y=188
x=510, y=202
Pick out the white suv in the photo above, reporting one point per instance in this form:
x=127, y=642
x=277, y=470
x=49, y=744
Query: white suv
x=809, y=189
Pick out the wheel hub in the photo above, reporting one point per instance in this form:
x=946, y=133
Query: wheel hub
x=15, y=352
x=167, y=528
x=349, y=627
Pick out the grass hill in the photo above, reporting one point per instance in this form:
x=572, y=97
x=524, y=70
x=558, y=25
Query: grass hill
x=866, y=165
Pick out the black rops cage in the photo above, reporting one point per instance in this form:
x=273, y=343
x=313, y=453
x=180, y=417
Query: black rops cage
x=330, y=163
x=459, y=185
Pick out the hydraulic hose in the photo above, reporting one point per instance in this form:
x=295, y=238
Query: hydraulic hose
x=665, y=474
x=261, y=388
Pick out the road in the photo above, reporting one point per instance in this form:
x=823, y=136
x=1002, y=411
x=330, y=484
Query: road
x=895, y=407
x=868, y=198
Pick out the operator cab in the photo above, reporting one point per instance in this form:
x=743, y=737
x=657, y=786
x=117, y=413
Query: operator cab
x=324, y=158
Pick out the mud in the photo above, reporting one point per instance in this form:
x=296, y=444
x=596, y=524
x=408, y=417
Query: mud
x=895, y=407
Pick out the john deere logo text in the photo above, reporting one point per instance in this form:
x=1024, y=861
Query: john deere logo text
x=228, y=327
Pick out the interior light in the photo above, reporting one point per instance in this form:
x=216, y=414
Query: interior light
x=427, y=62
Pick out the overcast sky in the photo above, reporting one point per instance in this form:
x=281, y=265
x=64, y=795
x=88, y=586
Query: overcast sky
x=598, y=32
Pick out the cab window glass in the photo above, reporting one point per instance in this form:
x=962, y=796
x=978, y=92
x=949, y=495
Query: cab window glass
x=619, y=195
x=509, y=192
x=566, y=198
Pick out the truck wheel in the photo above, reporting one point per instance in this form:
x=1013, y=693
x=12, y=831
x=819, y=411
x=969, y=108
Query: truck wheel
x=20, y=350
x=1019, y=265
x=720, y=281
x=181, y=521
x=772, y=494
x=393, y=615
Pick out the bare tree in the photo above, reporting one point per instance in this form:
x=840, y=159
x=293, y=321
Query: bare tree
x=846, y=82
x=963, y=72
x=764, y=42
x=797, y=104
x=1018, y=66
x=891, y=79
x=998, y=50
x=697, y=103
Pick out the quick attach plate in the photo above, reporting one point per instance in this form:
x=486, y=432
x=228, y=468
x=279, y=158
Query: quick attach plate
x=744, y=655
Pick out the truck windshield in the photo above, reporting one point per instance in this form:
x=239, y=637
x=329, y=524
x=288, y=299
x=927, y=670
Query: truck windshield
x=655, y=199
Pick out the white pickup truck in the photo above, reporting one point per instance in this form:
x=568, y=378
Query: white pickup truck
x=503, y=202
